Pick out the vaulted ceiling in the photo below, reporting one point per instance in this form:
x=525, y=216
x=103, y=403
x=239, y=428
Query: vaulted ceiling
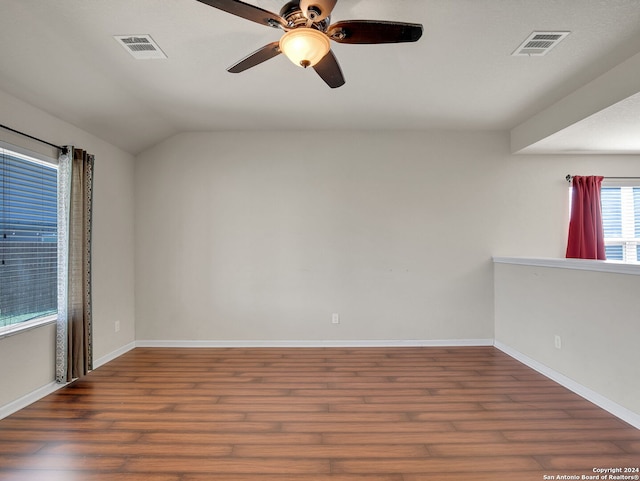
x=583, y=96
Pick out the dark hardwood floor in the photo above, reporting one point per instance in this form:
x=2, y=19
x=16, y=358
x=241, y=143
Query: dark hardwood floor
x=313, y=414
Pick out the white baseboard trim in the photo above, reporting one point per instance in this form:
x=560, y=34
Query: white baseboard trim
x=590, y=395
x=324, y=343
x=30, y=398
x=53, y=386
x=112, y=355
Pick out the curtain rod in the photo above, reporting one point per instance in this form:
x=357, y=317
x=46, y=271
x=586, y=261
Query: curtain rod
x=569, y=177
x=62, y=149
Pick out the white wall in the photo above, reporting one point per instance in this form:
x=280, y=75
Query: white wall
x=261, y=236
x=26, y=359
x=594, y=313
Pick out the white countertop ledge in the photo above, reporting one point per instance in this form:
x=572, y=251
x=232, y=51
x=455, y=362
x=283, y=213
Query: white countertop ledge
x=615, y=267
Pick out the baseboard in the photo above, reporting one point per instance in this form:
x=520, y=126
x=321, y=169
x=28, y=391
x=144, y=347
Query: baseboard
x=52, y=387
x=598, y=399
x=30, y=398
x=323, y=343
x=112, y=355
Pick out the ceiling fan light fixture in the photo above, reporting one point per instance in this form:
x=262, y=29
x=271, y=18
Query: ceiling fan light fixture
x=304, y=46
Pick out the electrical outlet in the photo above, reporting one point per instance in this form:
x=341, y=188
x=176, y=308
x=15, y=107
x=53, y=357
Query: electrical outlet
x=117, y=326
x=335, y=318
x=558, y=342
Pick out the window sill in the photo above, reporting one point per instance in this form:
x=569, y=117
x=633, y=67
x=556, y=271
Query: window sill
x=26, y=326
x=615, y=267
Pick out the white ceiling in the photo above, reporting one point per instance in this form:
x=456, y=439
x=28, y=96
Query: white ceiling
x=60, y=56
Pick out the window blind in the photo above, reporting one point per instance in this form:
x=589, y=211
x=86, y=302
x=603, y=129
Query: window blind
x=611, y=201
x=28, y=238
x=621, y=222
x=636, y=210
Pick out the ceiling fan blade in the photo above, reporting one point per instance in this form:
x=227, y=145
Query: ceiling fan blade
x=329, y=70
x=247, y=11
x=374, y=31
x=261, y=55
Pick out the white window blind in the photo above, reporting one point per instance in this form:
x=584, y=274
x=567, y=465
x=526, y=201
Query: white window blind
x=621, y=222
x=28, y=238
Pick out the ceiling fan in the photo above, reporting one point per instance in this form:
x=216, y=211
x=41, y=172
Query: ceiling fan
x=307, y=28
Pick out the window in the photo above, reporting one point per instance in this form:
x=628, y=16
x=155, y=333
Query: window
x=28, y=239
x=621, y=222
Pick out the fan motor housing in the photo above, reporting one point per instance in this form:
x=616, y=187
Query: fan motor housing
x=294, y=17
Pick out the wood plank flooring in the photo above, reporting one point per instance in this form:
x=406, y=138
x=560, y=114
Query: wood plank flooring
x=313, y=414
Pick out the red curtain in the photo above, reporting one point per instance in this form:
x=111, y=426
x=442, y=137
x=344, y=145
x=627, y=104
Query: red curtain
x=586, y=236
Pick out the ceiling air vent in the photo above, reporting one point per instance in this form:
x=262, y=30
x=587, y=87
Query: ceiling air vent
x=539, y=43
x=140, y=46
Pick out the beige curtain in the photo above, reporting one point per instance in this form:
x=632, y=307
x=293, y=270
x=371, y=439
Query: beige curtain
x=74, y=354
